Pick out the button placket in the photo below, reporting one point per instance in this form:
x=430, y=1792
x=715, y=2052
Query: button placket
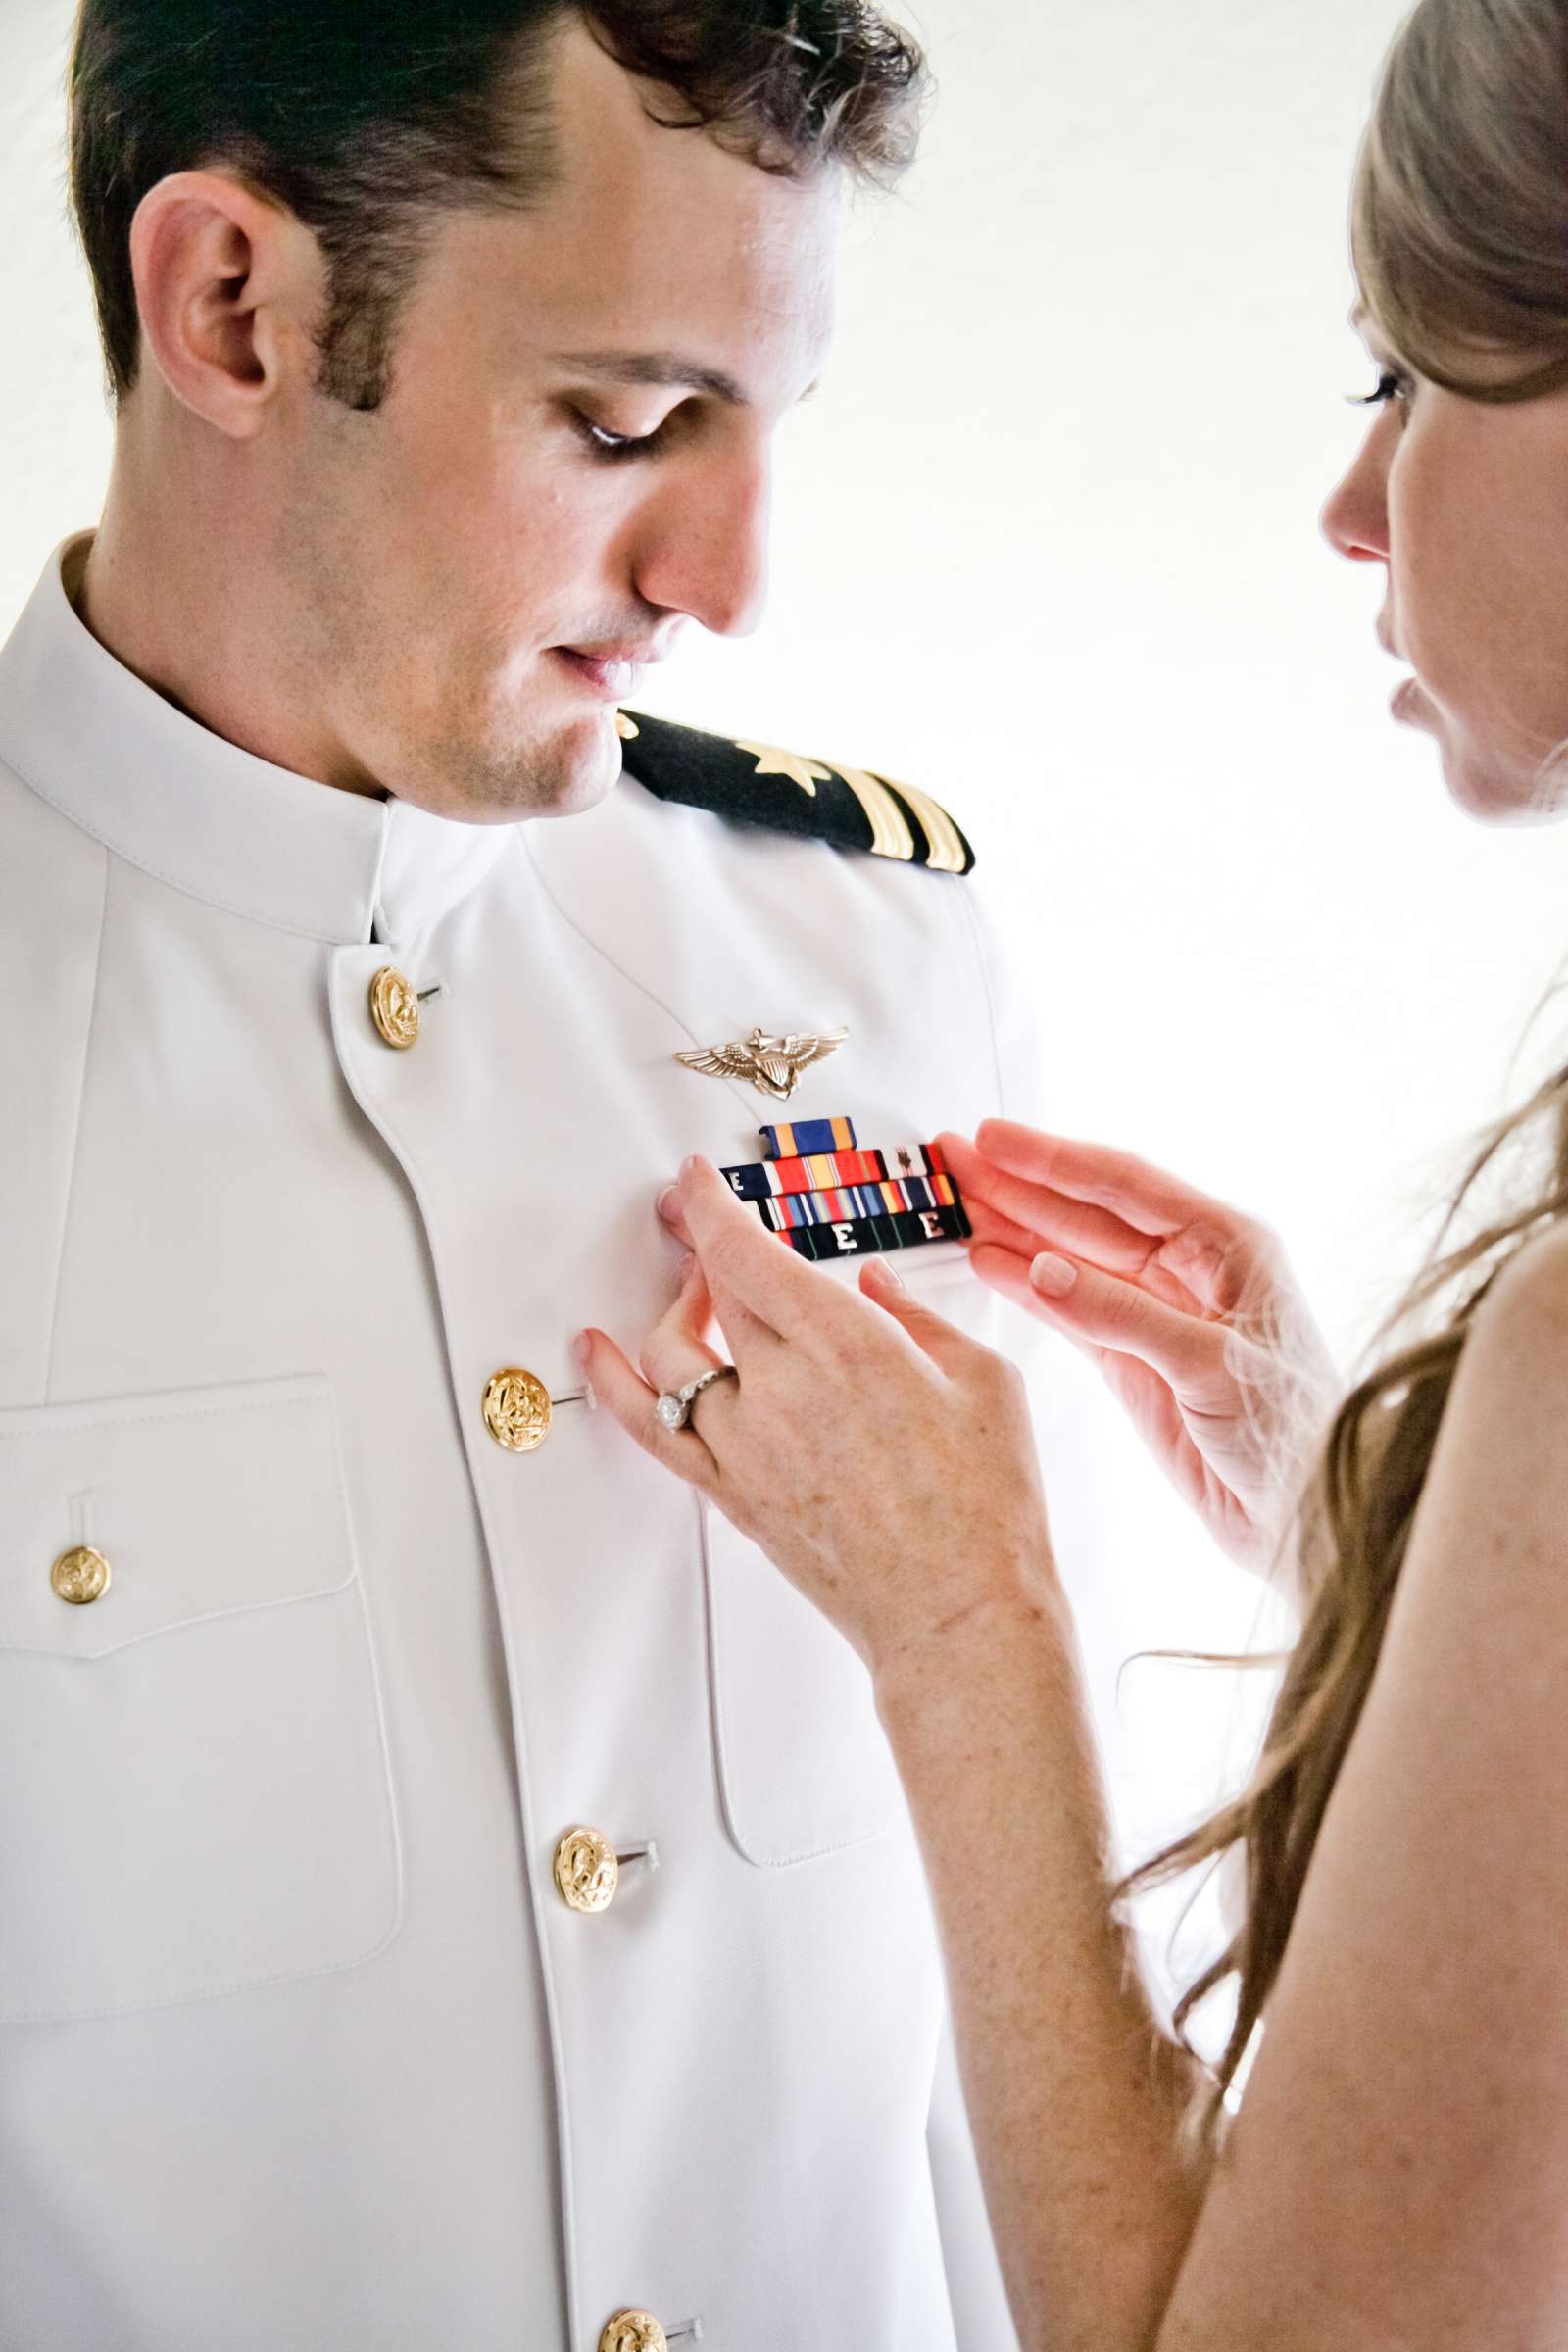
x=588, y=1867
x=587, y=1872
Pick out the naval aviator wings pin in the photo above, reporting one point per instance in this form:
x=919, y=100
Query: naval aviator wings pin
x=772, y=1065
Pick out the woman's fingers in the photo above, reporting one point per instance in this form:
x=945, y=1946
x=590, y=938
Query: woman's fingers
x=1104, y=1312
x=947, y=1348
x=999, y=1202
x=741, y=1328
x=1145, y=1396
x=668, y=1206
x=1119, y=1212
x=1147, y=1197
x=987, y=1226
x=617, y=1387
x=677, y=1347
x=746, y=1264
x=748, y=1293
x=1006, y=1272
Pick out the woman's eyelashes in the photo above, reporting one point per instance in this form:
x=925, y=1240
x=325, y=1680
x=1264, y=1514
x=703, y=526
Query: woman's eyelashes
x=1393, y=384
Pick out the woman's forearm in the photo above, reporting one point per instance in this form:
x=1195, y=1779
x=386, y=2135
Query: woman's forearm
x=1075, y=2095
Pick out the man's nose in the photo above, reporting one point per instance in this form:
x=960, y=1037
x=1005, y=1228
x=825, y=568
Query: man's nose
x=705, y=549
x=1356, y=520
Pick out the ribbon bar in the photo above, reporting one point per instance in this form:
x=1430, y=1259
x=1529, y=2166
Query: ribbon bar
x=825, y=1171
x=869, y=1236
x=807, y=1136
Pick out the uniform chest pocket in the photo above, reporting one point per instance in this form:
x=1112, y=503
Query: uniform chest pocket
x=194, y=1786
x=803, y=1766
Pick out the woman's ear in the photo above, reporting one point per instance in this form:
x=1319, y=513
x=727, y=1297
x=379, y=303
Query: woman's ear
x=229, y=286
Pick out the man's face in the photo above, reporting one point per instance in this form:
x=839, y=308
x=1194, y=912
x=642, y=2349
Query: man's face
x=572, y=462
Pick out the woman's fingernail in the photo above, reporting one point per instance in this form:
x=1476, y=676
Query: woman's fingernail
x=885, y=1273
x=668, y=1204
x=688, y=1168
x=1053, y=1275
x=582, y=1348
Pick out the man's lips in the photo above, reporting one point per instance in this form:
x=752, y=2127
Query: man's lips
x=611, y=673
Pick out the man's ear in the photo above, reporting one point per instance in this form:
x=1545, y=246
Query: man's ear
x=229, y=286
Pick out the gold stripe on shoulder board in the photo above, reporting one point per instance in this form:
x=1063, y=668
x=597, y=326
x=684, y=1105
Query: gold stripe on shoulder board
x=946, y=845
x=890, y=827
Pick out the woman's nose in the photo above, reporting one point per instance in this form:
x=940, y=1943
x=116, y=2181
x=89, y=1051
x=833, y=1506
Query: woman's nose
x=1356, y=520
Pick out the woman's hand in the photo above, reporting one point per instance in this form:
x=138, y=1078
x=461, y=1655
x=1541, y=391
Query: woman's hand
x=884, y=1460
x=1189, y=1308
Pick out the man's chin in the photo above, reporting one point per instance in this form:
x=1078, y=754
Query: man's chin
x=570, y=772
x=581, y=769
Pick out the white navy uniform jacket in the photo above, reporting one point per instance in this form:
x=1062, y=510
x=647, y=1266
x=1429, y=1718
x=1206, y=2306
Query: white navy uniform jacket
x=300, y=2049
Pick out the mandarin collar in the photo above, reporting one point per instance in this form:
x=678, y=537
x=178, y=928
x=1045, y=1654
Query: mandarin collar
x=170, y=797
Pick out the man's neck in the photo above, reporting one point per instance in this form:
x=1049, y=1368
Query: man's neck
x=158, y=586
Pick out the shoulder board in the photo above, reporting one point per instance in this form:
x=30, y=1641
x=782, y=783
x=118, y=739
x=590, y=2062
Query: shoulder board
x=754, y=784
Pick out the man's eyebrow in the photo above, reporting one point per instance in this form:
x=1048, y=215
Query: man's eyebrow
x=664, y=367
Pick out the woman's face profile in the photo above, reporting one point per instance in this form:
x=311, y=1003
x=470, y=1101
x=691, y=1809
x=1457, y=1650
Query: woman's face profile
x=1465, y=504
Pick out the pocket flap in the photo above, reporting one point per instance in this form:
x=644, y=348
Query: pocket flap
x=250, y=1516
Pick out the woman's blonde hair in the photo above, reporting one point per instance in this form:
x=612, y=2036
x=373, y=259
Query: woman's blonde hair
x=1459, y=215
x=1459, y=235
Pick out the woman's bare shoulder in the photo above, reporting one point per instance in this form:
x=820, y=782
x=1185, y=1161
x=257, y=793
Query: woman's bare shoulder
x=1497, y=1485
x=1535, y=1280
x=1508, y=1415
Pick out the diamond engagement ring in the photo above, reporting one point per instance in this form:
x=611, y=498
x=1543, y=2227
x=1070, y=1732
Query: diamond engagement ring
x=675, y=1407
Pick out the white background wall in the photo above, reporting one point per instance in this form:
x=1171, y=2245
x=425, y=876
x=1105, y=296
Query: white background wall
x=1046, y=546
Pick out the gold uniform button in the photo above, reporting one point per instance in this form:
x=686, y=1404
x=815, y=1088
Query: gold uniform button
x=587, y=1872
x=393, y=1007
x=80, y=1575
x=634, y=2332
x=516, y=1410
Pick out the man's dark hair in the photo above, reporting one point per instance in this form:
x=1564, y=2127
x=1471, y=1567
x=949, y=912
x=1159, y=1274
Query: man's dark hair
x=369, y=118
